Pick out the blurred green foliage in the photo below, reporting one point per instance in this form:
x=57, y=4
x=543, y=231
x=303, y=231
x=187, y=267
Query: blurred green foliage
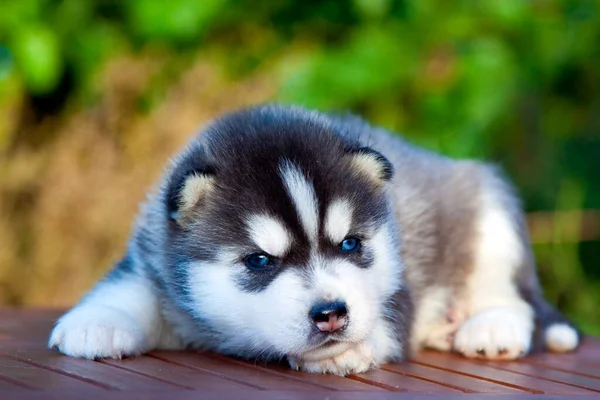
x=512, y=81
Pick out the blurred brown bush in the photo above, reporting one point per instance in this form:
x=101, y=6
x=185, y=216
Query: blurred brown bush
x=67, y=207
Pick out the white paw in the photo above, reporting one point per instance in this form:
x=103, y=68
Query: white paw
x=97, y=332
x=500, y=333
x=356, y=359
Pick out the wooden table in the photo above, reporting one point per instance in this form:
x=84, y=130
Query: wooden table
x=30, y=371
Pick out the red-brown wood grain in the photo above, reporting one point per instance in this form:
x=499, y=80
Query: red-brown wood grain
x=28, y=370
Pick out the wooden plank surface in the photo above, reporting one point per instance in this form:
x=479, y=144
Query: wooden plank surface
x=34, y=377
x=30, y=371
x=481, y=370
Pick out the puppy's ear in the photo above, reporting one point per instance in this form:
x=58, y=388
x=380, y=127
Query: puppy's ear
x=188, y=189
x=372, y=164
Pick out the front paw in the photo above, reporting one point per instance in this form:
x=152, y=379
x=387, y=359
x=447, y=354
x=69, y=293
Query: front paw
x=500, y=333
x=97, y=332
x=356, y=359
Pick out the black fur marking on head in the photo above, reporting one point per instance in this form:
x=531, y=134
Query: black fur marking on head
x=257, y=281
x=247, y=149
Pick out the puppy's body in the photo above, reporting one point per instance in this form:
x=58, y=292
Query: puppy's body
x=280, y=232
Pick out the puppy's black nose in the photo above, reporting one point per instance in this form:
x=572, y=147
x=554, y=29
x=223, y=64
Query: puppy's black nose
x=329, y=316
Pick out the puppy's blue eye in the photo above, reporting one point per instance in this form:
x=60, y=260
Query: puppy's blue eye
x=257, y=262
x=350, y=245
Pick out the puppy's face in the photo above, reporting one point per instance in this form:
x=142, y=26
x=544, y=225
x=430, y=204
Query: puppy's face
x=283, y=239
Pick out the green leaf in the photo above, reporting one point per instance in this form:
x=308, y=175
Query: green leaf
x=38, y=58
x=172, y=20
x=6, y=63
x=373, y=8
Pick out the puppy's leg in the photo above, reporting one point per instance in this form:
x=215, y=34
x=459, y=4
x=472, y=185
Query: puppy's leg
x=119, y=317
x=500, y=323
x=436, y=320
x=501, y=320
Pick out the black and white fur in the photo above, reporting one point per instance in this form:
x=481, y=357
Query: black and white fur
x=444, y=262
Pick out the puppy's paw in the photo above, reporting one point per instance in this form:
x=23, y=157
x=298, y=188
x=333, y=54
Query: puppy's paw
x=499, y=333
x=97, y=332
x=354, y=360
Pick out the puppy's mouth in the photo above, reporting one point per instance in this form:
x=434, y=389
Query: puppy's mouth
x=329, y=343
x=320, y=339
x=326, y=349
x=322, y=342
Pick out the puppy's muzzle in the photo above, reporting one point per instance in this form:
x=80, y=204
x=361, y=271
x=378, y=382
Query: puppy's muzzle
x=329, y=316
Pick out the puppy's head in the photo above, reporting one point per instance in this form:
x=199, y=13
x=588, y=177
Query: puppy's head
x=281, y=234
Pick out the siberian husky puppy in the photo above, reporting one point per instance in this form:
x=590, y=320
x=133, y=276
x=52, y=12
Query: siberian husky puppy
x=281, y=232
